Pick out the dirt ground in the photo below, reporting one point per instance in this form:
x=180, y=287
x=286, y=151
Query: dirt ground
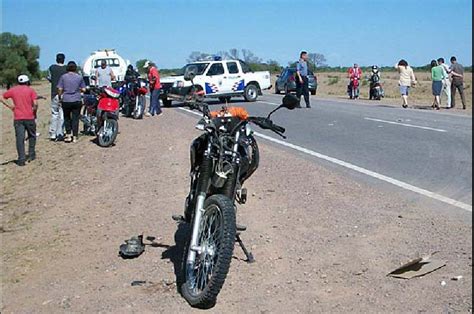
x=323, y=242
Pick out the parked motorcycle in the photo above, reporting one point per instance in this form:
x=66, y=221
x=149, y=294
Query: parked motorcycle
x=134, y=99
x=100, y=114
x=375, y=87
x=353, y=88
x=222, y=159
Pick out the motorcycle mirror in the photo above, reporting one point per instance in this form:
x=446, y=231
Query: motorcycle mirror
x=289, y=102
x=190, y=72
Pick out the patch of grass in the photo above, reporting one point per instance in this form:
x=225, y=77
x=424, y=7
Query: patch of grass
x=332, y=79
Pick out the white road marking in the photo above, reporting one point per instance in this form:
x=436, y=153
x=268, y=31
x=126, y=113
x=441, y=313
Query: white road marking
x=406, y=124
x=367, y=172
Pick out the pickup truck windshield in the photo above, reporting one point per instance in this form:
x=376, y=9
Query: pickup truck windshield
x=200, y=66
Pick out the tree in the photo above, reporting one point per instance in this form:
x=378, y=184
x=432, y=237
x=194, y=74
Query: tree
x=17, y=57
x=234, y=53
x=249, y=56
x=139, y=65
x=317, y=59
x=198, y=55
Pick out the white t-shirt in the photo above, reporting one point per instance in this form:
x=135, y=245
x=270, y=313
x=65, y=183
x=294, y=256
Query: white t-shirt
x=104, y=77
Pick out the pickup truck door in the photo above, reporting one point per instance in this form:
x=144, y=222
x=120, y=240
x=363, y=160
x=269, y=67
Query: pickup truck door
x=215, y=79
x=235, y=80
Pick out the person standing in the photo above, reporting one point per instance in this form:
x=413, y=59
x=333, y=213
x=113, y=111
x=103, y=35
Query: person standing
x=302, y=87
x=406, y=80
x=70, y=86
x=24, y=111
x=104, y=75
x=437, y=78
x=446, y=82
x=457, y=73
x=56, y=125
x=155, y=89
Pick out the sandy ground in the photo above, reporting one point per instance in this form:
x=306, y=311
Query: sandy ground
x=323, y=242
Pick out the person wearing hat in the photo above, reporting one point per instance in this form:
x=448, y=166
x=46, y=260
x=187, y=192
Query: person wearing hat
x=155, y=89
x=24, y=111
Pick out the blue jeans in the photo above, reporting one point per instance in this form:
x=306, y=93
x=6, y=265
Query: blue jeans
x=155, y=102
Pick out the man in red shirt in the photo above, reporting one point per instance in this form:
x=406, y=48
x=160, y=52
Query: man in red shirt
x=24, y=110
x=155, y=89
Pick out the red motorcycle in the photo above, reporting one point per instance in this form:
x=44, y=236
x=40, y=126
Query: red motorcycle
x=100, y=115
x=353, y=88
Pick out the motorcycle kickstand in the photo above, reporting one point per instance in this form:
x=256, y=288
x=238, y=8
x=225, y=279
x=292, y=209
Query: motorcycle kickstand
x=249, y=255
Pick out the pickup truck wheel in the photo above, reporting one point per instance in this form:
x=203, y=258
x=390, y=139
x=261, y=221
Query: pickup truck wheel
x=251, y=93
x=166, y=102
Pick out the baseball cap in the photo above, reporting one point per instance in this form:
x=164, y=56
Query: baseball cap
x=147, y=64
x=23, y=78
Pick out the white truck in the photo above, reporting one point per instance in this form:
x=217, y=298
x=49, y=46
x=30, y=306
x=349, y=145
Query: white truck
x=114, y=61
x=220, y=79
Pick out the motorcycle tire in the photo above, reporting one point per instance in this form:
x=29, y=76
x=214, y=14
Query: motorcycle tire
x=203, y=293
x=106, y=141
x=138, y=113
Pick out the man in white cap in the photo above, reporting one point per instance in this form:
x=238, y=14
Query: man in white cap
x=155, y=89
x=24, y=111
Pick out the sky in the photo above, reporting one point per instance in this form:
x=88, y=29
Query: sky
x=167, y=31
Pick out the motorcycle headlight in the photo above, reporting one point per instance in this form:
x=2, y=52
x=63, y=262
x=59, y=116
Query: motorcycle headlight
x=178, y=84
x=248, y=130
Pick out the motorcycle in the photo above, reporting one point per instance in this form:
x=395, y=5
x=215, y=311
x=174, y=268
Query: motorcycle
x=375, y=88
x=100, y=114
x=134, y=100
x=222, y=159
x=353, y=88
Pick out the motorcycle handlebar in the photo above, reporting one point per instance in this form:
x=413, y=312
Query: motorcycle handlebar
x=268, y=124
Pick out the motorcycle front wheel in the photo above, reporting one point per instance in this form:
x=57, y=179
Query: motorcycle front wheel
x=205, y=276
x=140, y=108
x=107, y=133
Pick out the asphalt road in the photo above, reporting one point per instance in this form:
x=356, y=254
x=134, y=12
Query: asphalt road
x=416, y=149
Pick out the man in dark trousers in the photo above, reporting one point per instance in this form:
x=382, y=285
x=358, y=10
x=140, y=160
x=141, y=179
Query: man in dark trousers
x=55, y=71
x=457, y=73
x=302, y=87
x=24, y=107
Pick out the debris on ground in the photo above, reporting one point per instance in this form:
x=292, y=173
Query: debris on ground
x=417, y=267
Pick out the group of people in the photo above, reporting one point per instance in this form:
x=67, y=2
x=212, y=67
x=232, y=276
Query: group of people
x=445, y=79
x=67, y=87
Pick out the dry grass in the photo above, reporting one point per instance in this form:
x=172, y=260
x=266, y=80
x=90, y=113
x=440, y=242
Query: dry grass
x=334, y=84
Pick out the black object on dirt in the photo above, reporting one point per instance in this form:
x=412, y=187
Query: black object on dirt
x=132, y=248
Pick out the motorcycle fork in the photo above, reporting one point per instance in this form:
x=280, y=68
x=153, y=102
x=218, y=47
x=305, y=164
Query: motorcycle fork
x=201, y=190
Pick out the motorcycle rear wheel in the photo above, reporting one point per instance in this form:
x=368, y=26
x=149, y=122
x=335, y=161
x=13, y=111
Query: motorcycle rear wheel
x=204, y=278
x=106, y=138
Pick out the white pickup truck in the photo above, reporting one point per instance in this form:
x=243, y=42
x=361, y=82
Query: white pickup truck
x=220, y=79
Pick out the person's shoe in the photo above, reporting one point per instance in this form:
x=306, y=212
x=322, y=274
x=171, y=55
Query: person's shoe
x=68, y=139
x=31, y=158
x=60, y=138
x=464, y=108
x=74, y=139
x=53, y=139
x=405, y=106
x=308, y=107
x=159, y=114
x=147, y=114
x=20, y=163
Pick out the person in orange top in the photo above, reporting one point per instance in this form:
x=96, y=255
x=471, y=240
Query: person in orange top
x=155, y=89
x=24, y=111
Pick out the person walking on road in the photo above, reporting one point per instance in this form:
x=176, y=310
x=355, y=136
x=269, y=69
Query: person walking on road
x=56, y=126
x=302, y=82
x=457, y=73
x=155, y=89
x=437, y=78
x=24, y=111
x=446, y=82
x=406, y=80
x=104, y=75
x=70, y=86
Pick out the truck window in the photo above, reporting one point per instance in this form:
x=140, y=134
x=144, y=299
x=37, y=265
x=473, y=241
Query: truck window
x=245, y=67
x=216, y=69
x=232, y=67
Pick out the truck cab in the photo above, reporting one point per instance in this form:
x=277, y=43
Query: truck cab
x=222, y=79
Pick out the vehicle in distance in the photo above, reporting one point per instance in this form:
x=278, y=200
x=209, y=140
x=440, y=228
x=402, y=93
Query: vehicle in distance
x=286, y=81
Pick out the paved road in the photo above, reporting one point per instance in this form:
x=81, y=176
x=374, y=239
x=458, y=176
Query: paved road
x=428, y=150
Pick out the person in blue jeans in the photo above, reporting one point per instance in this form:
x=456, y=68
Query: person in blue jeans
x=155, y=89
